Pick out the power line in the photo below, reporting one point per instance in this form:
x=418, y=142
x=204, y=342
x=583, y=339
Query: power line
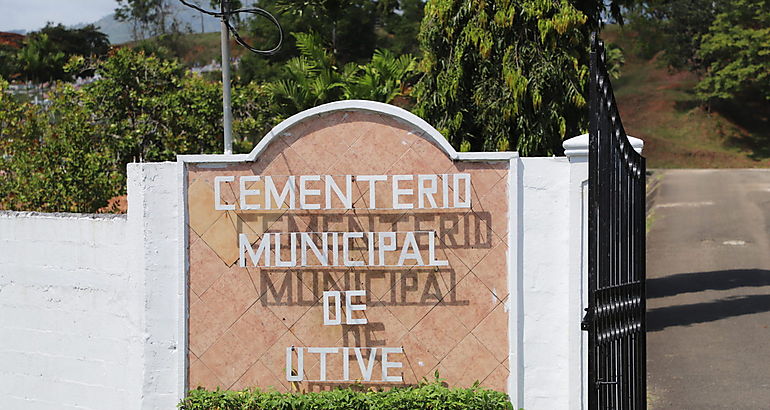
x=226, y=28
x=225, y=16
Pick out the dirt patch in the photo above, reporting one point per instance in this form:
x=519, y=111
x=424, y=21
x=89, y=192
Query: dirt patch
x=116, y=205
x=659, y=105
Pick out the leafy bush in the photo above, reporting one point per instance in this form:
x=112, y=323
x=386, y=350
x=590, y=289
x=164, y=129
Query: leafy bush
x=71, y=154
x=315, y=78
x=433, y=396
x=53, y=160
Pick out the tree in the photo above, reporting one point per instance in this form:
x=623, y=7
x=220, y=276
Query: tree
x=383, y=79
x=233, y=4
x=148, y=17
x=314, y=78
x=676, y=27
x=71, y=155
x=347, y=27
x=40, y=60
x=152, y=109
x=86, y=41
x=308, y=80
x=140, y=13
x=350, y=29
x=47, y=51
x=736, y=54
x=503, y=75
x=401, y=27
x=54, y=160
x=8, y=62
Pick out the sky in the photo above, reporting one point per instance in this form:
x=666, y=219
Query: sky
x=33, y=14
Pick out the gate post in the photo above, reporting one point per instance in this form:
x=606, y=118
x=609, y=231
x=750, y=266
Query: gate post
x=156, y=238
x=576, y=150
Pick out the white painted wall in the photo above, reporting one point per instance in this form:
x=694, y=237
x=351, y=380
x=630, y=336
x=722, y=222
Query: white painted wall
x=68, y=321
x=155, y=226
x=90, y=305
x=544, y=268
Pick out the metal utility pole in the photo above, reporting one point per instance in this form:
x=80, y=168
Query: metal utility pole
x=226, y=90
x=224, y=14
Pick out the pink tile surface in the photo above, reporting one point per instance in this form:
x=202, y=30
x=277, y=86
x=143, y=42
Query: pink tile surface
x=451, y=319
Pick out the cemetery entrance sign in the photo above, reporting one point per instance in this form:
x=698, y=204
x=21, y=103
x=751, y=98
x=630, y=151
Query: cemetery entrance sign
x=353, y=245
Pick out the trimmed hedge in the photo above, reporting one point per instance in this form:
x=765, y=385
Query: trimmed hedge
x=432, y=396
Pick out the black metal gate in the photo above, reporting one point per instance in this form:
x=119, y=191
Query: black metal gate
x=615, y=317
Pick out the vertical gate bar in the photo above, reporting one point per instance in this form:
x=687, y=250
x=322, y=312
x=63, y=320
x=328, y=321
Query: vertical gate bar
x=623, y=387
x=624, y=259
x=606, y=275
x=621, y=166
x=639, y=355
x=635, y=218
x=629, y=294
x=632, y=293
x=632, y=266
x=605, y=272
x=632, y=314
x=628, y=376
x=614, y=214
x=605, y=244
x=615, y=218
x=620, y=266
x=593, y=200
x=627, y=312
x=642, y=260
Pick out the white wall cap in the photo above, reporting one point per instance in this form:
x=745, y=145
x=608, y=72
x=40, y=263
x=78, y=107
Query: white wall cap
x=353, y=105
x=213, y=158
x=578, y=146
x=487, y=156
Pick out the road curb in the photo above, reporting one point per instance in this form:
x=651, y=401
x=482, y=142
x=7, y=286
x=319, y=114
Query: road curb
x=653, y=177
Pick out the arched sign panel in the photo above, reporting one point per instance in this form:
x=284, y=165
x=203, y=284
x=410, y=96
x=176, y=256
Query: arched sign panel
x=354, y=245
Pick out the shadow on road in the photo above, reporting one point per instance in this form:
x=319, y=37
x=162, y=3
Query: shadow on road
x=700, y=281
x=682, y=315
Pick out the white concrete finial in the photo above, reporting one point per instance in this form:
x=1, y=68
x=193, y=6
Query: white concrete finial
x=578, y=146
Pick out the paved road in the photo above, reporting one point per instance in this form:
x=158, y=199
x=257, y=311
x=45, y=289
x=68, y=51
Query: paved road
x=708, y=268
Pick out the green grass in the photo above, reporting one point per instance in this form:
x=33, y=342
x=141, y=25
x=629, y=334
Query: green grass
x=659, y=106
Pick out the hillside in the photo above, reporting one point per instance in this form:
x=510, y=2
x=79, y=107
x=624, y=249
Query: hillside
x=120, y=32
x=659, y=106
